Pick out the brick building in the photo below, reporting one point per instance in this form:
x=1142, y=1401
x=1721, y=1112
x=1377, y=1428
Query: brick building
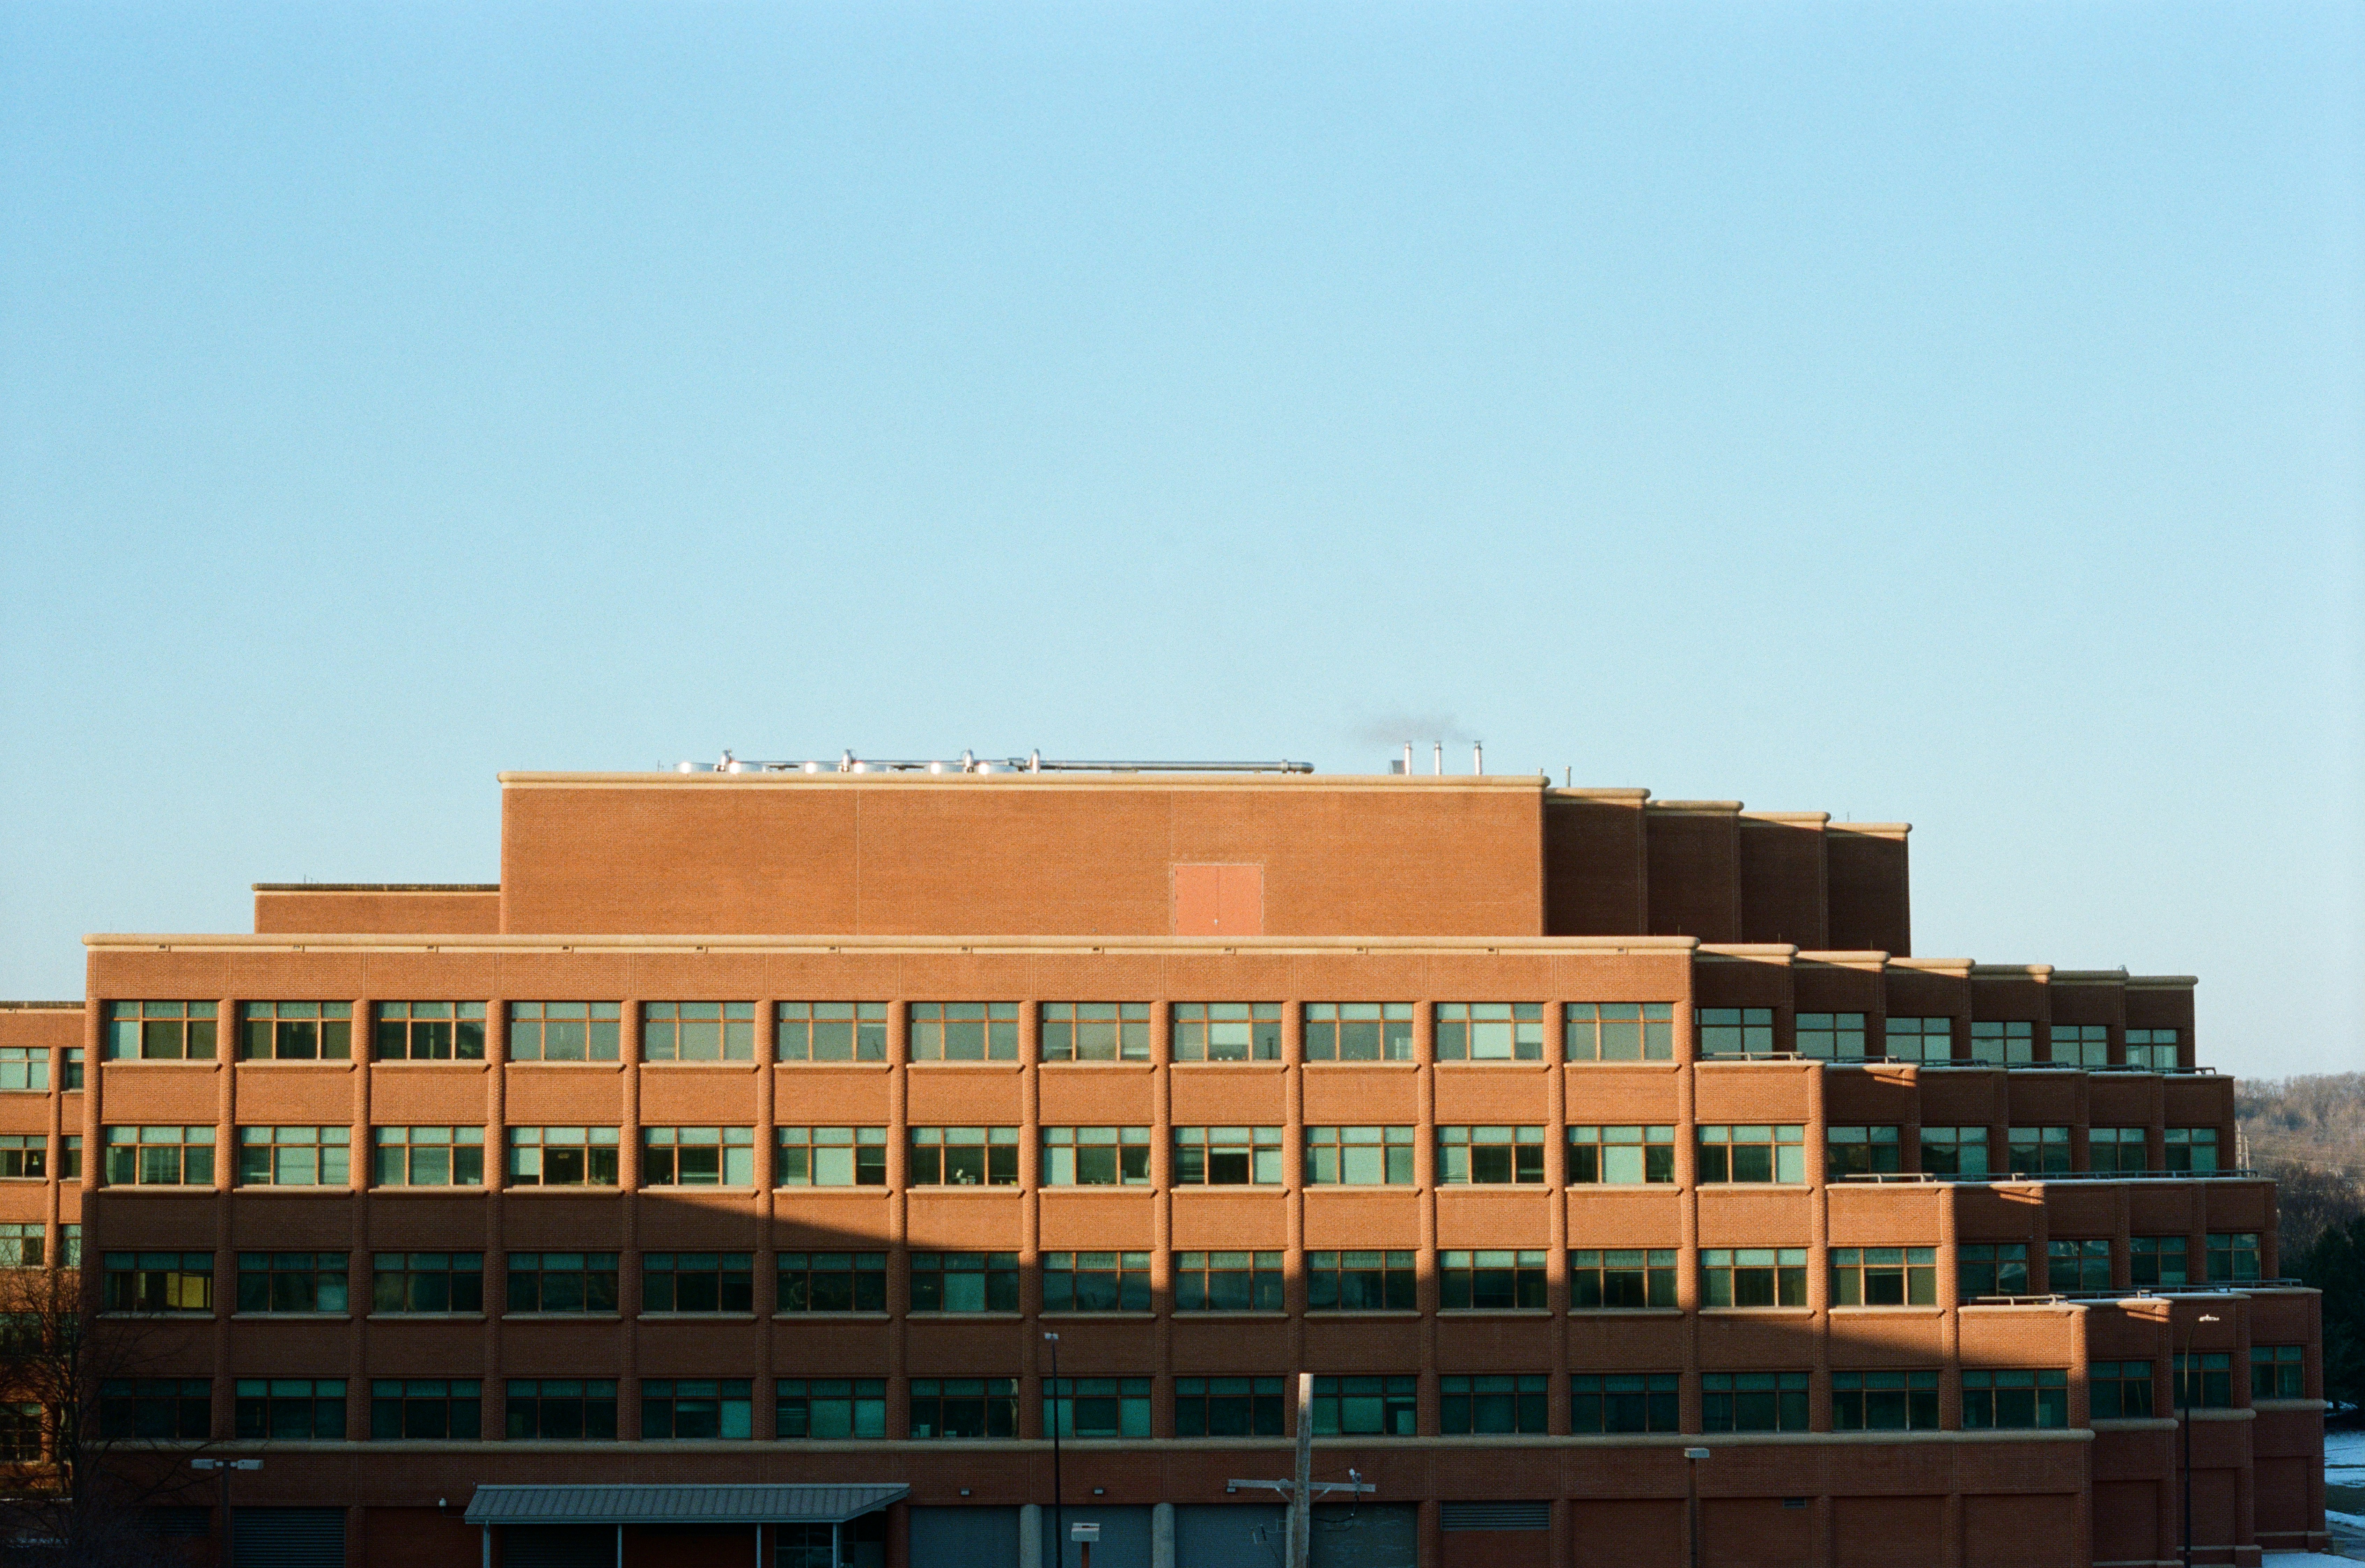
x=754, y=1132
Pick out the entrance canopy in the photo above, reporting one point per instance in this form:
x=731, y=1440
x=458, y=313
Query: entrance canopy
x=679, y=1504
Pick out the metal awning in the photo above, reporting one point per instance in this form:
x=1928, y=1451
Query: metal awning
x=679, y=1504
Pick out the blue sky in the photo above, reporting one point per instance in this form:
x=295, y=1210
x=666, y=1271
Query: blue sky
x=1947, y=413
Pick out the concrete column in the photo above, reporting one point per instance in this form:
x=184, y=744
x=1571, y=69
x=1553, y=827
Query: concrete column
x=1161, y=1536
x=1030, y=1535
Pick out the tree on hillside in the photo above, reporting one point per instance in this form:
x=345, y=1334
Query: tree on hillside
x=2336, y=1265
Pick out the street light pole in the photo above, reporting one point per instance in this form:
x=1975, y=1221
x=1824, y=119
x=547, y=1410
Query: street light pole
x=1691, y=1503
x=1059, y=1496
x=2191, y=1334
x=222, y=1467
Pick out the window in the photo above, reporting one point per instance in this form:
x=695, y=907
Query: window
x=70, y=1244
x=832, y=1281
x=1862, y=1151
x=2233, y=1257
x=1884, y=1401
x=831, y=1031
x=425, y=1407
x=161, y=1031
x=292, y=1281
x=1613, y=1278
x=698, y=1031
x=1884, y=1276
x=24, y=1068
x=2119, y=1391
x=73, y=1069
x=2008, y=1043
x=826, y=1408
x=158, y=1282
x=688, y=1408
x=1227, y=1031
x=964, y=1031
x=1622, y=1156
x=1359, y=1156
x=2117, y=1148
x=2154, y=1050
x=1227, y=1157
x=2202, y=1382
x=428, y=1156
x=22, y=1243
x=964, y=1157
x=1493, y=1402
x=561, y=1408
x=2019, y=1398
x=1490, y=1031
x=1227, y=1407
x=296, y=1031
x=2193, y=1148
x=1754, y=1276
x=429, y=1281
x=2082, y=1265
x=294, y=1157
x=24, y=1157
x=20, y=1433
x=70, y=1158
x=2277, y=1372
x=697, y=1282
x=1095, y=1031
x=2081, y=1044
x=1359, y=1031
x=1754, y=1402
x=710, y=1156
x=1365, y=1406
x=2157, y=1261
x=160, y=1157
x=1096, y=1282
x=563, y=1282
x=1753, y=1154
x=1491, y=1282
x=563, y=1157
x=1228, y=1281
x=1619, y=1031
x=1992, y=1267
x=1490, y=1156
x=964, y=1282
x=1919, y=1039
x=2039, y=1151
x=1955, y=1151
x=1734, y=1031
x=1096, y=1407
x=429, y=1031
x=1831, y=1037
x=1625, y=1402
x=1096, y=1157
x=290, y=1408
x=1360, y=1282
x=156, y=1409
x=964, y=1407
x=564, y=1031
x=827, y=1156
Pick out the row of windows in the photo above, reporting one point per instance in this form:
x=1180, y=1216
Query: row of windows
x=1096, y=1031
x=25, y=1070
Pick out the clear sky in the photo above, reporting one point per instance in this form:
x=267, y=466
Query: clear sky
x=1938, y=412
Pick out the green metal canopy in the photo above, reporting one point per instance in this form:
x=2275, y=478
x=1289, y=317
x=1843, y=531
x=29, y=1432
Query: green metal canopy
x=679, y=1504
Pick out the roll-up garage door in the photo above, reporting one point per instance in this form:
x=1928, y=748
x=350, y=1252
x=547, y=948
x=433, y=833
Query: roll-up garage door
x=288, y=1538
x=557, y=1546
x=965, y=1537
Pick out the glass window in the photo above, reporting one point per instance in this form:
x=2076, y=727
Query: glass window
x=825, y=1409
x=1095, y=1031
x=1096, y=1157
x=160, y=1157
x=1884, y=1276
x=429, y=1031
x=296, y=1031
x=1227, y=1157
x=24, y=1157
x=1622, y=1156
x=964, y=1031
x=708, y=1157
x=1991, y=1268
x=698, y=1031
x=964, y=1407
x=289, y=1409
x=2193, y=1148
x=1366, y=1406
x=1955, y=1151
x=832, y=1031
x=20, y=1432
x=73, y=1069
x=22, y=1243
x=1625, y=1402
x=695, y=1409
x=1601, y=1279
x=1884, y=1401
x=1227, y=1407
x=2277, y=1372
x=1753, y=1154
x=964, y=1157
x=1918, y=1039
x=1096, y=1282
x=2082, y=1265
x=2117, y=1148
x=1494, y=1281
x=161, y=1031
x=1228, y=1281
x=2081, y=1045
x=1754, y=1402
x=428, y=1156
x=293, y=1281
x=2156, y=1262
x=563, y=1282
x=1360, y=1282
x=1490, y=1156
x=563, y=1157
x=2119, y=1391
x=1861, y=1151
x=2233, y=1257
x=429, y=1281
x=425, y=1407
x=2005, y=1042
x=1754, y=1276
x=70, y=1158
x=1619, y=1031
x=70, y=1244
x=2038, y=1151
x=1227, y=1031
x=1359, y=1156
x=1493, y=1402
x=1490, y=1031
x=697, y=1282
x=156, y=1409
x=561, y=1409
x=832, y=1156
x=2015, y=1397
x=2202, y=1382
x=2154, y=1050
x=1734, y=1031
x=1359, y=1031
x=158, y=1282
x=1831, y=1037
x=294, y=1157
x=964, y=1282
x=833, y=1281
x=565, y=1031
x=1096, y=1407
x=24, y=1068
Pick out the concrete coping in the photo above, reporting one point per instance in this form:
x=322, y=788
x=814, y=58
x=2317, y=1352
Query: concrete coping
x=954, y=780
x=1543, y=946
x=1697, y=808
x=376, y=887
x=62, y=1006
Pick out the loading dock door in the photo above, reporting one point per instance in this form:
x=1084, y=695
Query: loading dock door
x=558, y=1546
x=288, y=1538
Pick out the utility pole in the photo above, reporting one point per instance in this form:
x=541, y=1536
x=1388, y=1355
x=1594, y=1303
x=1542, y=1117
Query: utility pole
x=222, y=1467
x=1691, y=1503
x=1059, y=1519
x=1302, y=1488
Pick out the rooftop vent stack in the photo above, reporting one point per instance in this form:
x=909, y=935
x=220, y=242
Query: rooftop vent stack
x=1438, y=761
x=1477, y=758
